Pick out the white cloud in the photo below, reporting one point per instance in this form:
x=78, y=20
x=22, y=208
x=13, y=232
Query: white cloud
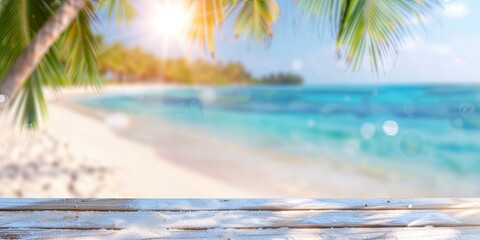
x=456, y=10
x=417, y=44
x=297, y=64
x=439, y=48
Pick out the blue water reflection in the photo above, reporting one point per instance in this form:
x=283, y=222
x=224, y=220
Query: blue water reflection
x=435, y=125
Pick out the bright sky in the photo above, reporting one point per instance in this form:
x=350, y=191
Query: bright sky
x=446, y=50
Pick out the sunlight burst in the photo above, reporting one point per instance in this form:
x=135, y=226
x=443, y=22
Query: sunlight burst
x=169, y=19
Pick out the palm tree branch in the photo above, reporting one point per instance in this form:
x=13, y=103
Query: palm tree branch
x=368, y=29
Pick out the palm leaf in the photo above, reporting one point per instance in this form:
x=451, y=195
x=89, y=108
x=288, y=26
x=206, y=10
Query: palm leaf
x=31, y=103
x=207, y=15
x=14, y=30
x=254, y=18
x=368, y=29
x=20, y=20
x=71, y=60
x=79, y=50
x=1, y=6
x=122, y=10
x=323, y=13
x=52, y=70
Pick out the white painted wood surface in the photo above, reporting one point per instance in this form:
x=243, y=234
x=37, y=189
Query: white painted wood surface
x=467, y=233
x=240, y=218
x=236, y=204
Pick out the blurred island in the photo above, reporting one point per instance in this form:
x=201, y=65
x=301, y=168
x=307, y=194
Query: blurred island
x=120, y=64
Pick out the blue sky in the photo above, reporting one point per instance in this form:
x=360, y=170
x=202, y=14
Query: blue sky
x=445, y=50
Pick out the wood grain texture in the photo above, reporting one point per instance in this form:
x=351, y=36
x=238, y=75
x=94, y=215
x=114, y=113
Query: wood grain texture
x=240, y=218
x=257, y=234
x=235, y=204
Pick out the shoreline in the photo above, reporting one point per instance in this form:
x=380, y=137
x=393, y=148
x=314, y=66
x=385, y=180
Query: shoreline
x=155, y=158
x=282, y=175
x=288, y=175
x=75, y=155
x=275, y=169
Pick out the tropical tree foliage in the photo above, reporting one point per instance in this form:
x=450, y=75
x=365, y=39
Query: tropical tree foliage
x=71, y=60
x=281, y=78
x=363, y=29
x=122, y=64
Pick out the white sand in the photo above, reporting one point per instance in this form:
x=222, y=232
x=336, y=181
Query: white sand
x=74, y=155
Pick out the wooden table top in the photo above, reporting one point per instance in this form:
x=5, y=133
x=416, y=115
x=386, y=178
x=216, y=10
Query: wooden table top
x=438, y=218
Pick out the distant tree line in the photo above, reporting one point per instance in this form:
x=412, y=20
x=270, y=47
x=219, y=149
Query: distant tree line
x=122, y=64
x=281, y=78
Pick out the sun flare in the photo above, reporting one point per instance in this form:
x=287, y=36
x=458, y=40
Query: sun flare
x=169, y=19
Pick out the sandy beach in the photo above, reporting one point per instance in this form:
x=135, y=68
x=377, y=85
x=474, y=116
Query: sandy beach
x=76, y=155
x=84, y=152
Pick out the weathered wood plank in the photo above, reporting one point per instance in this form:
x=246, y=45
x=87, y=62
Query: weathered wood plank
x=239, y=219
x=466, y=233
x=235, y=204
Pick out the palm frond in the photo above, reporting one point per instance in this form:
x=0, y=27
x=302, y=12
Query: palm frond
x=122, y=10
x=323, y=13
x=369, y=29
x=254, y=18
x=79, y=48
x=14, y=30
x=52, y=70
x=31, y=104
x=71, y=60
x=2, y=3
x=19, y=21
x=207, y=15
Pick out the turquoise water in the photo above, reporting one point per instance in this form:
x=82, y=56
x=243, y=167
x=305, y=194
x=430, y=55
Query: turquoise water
x=436, y=126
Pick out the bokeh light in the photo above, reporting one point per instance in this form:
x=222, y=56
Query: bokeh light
x=367, y=130
x=390, y=128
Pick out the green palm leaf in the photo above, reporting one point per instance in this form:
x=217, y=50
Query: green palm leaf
x=14, y=31
x=24, y=19
x=31, y=102
x=79, y=48
x=72, y=60
x=122, y=10
x=372, y=29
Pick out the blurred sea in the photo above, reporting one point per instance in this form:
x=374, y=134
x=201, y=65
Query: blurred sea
x=435, y=127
